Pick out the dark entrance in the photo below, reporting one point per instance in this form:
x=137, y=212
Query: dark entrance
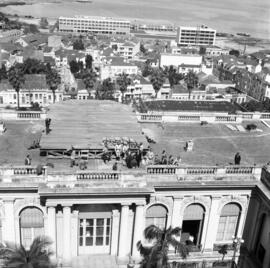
x=192, y=225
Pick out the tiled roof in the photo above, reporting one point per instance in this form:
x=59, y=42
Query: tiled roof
x=118, y=61
x=70, y=54
x=180, y=88
x=35, y=39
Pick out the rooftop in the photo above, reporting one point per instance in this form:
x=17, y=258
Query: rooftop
x=176, y=105
x=84, y=124
x=213, y=143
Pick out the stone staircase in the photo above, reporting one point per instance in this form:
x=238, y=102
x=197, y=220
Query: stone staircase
x=94, y=261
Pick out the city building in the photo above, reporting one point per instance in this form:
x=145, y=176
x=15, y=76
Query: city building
x=94, y=25
x=113, y=66
x=195, y=36
x=99, y=214
x=183, y=63
x=153, y=27
x=34, y=90
x=126, y=49
x=10, y=35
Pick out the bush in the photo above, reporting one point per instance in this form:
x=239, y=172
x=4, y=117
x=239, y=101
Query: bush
x=250, y=127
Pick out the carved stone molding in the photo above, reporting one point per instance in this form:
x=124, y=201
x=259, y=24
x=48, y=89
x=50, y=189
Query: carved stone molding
x=20, y=204
x=242, y=200
x=205, y=201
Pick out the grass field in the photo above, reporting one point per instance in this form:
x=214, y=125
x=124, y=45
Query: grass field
x=213, y=143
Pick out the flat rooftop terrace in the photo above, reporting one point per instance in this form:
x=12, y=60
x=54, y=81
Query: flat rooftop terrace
x=213, y=143
x=84, y=124
x=197, y=106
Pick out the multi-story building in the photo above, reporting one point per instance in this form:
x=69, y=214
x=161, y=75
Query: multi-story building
x=94, y=25
x=195, y=36
x=34, y=90
x=10, y=35
x=126, y=49
x=183, y=63
x=113, y=66
x=101, y=211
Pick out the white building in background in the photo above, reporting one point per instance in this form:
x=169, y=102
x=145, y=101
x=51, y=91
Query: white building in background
x=126, y=49
x=34, y=90
x=182, y=62
x=94, y=25
x=113, y=66
x=199, y=36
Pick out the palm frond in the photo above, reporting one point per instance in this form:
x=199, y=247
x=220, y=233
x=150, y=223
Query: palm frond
x=152, y=232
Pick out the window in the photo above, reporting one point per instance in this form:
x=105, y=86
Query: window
x=157, y=215
x=31, y=225
x=192, y=225
x=228, y=222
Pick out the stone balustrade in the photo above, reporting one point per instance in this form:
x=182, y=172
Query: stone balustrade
x=210, y=117
x=88, y=175
x=206, y=171
x=153, y=173
x=29, y=115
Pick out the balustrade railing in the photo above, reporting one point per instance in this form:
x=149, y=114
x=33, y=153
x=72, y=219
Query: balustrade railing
x=28, y=170
x=151, y=117
x=188, y=118
x=201, y=170
x=161, y=169
x=29, y=115
x=265, y=116
x=225, y=118
x=97, y=176
x=239, y=170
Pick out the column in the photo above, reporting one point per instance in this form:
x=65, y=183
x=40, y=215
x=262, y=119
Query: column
x=66, y=233
x=122, y=252
x=9, y=221
x=52, y=226
x=115, y=231
x=139, y=226
x=176, y=217
x=211, y=233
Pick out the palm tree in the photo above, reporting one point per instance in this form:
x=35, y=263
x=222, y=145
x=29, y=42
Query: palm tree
x=53, y=80
x=172, y=75
x=157, y=80
x=89, y=78
x=123, y=81
x=17, y=256
x=191, y=80
x=16, y=79
x=156, y=255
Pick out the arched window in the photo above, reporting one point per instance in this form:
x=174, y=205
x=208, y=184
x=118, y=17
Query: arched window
x=193, y=224
x=228, y=222
x=157, y=215
x=31, y=225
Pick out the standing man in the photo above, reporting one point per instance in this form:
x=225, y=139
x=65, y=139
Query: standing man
x=72, y=157
x=237, y=159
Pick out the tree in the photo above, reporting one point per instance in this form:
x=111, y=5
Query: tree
x=147, y=69
x=17, y=256
x=78, y=44
x=172, y=75
x=105, y=91
x=88, y=61
x=53, y=80
x=142, y=48
x=89, y=78
x=191, y=80
x=123, y=81
x=223, y=251
x=234, y=52
x=156, y=255
x=157, y=80
x=33, y=66
x=3, y=72
x=74, y=66
x=16, y=79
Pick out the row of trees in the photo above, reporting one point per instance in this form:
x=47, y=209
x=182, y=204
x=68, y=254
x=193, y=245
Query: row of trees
x=158, y=77
x=16, y=75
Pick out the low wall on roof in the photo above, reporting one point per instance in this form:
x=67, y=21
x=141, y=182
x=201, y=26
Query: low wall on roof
x=22, y=115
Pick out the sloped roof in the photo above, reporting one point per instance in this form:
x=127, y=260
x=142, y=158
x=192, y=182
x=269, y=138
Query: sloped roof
x=35, y=39
x=180, y=88
x=70, y=54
